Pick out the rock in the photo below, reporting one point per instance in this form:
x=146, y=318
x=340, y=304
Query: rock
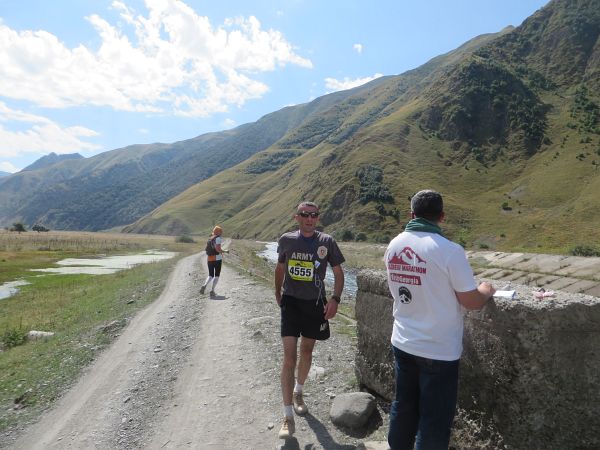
x=34, y=335
x=316, y=373
x=352, y=410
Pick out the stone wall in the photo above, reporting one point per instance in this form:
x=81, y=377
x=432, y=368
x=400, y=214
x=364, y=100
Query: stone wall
x=532, y=367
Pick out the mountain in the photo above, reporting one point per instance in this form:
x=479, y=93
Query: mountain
x=506, y=127
x=4, y=174
x=117, y=187
x=50, y=159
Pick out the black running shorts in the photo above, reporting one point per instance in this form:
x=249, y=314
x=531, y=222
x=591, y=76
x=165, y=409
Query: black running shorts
x=303, y=317
x=214, y=268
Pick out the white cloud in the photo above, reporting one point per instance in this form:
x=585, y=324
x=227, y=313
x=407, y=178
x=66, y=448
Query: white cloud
x=333, y=84
x=5, y=166
x=358, y=48
x=173, y=60
x=39, y=135
x=229, y=123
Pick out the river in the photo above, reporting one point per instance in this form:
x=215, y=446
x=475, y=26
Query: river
x=350, y=288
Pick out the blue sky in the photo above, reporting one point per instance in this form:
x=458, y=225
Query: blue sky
x=90, y=76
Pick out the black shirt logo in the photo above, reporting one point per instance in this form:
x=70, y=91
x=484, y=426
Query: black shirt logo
x=404, y=295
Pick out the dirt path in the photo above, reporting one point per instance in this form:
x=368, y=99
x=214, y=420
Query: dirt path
x=201, y=373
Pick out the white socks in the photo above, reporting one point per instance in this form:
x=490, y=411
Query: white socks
x=298, y=388
x=215, y=281
x=288, y=410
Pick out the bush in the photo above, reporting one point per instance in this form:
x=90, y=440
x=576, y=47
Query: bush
x=383, y=238
x=584, y=250
x=372, y=187
x=13, y=337
x=346, y=235
x=185, y=239
x=39, y=228
x=360, y=237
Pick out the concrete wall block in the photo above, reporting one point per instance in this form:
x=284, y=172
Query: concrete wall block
x=531, y=366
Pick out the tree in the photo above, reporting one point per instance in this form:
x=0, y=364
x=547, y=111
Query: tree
x=18, y=227
x=39, y=228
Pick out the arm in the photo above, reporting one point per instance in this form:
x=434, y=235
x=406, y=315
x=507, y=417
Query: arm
x=338, y=286
x=476, y=298
x=279, y=276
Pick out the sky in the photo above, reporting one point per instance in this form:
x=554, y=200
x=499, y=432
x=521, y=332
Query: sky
x=88, y=76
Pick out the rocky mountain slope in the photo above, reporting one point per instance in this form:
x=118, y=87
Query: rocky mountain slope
x=506, y=127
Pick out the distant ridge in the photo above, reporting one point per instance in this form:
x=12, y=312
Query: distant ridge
x=4, y=174
x=51, y=159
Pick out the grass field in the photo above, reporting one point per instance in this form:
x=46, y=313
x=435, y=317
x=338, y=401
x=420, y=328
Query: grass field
x=85, y=312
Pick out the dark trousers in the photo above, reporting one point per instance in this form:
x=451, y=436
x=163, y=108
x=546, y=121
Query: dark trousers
x=425, y=402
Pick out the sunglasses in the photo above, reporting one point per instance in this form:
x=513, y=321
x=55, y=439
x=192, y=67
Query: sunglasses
x=308, y=214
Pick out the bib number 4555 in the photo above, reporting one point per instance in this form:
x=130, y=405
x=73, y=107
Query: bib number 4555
x=301, y=270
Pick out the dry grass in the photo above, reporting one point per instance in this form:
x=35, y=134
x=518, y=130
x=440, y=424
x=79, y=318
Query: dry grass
x=79, y=241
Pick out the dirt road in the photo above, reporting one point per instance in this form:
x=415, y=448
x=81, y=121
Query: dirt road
x=194, y=372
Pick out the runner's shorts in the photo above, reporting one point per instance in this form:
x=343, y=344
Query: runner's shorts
x=214, y=268
x=303, y=317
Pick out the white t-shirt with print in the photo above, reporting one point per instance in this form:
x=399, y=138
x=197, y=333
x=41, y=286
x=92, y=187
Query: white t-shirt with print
x=424, y=272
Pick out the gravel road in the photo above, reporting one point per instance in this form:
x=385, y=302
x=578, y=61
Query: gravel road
x=200, y=373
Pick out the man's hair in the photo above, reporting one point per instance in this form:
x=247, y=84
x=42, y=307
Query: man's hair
x=427, y=204
x=304, y=204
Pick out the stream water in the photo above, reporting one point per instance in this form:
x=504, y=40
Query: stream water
x=350, y=288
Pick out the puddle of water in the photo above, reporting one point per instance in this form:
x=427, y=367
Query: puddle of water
x=89, y=266
x=10, y=288
x=350, y=286
x=106, y=265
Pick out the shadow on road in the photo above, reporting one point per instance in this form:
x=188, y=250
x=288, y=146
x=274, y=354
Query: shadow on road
x=218, y=297
x=325, y=439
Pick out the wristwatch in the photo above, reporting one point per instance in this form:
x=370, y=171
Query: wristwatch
x=336, y=298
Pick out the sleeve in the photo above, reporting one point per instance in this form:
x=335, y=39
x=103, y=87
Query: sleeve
x=280, y=250
x=335, y=254
x=460, y=272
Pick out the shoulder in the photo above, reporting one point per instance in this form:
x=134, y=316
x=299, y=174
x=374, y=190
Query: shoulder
x=289, y=235
x=324, y=237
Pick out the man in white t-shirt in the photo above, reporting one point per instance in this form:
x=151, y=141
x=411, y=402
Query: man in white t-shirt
x=432, y=284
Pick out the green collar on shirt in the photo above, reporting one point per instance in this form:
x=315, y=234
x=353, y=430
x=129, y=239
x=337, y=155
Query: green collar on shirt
x=420, y=224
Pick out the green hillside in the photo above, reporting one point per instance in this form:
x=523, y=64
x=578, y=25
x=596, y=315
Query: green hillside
x=118, y=187
x=507, y=129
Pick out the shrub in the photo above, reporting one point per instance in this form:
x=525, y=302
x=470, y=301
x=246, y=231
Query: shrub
x=584, y=250
x=346, y=235
x=360, y=237
x=13, y=337
x=185, y=239
x=39, y=228
x=372, y=187
x=383, y=238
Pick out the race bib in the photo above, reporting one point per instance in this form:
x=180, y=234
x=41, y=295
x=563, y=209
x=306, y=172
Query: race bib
x=301, y=270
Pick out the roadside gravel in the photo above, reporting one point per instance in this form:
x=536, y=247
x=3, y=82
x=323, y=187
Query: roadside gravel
x=194, y=372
